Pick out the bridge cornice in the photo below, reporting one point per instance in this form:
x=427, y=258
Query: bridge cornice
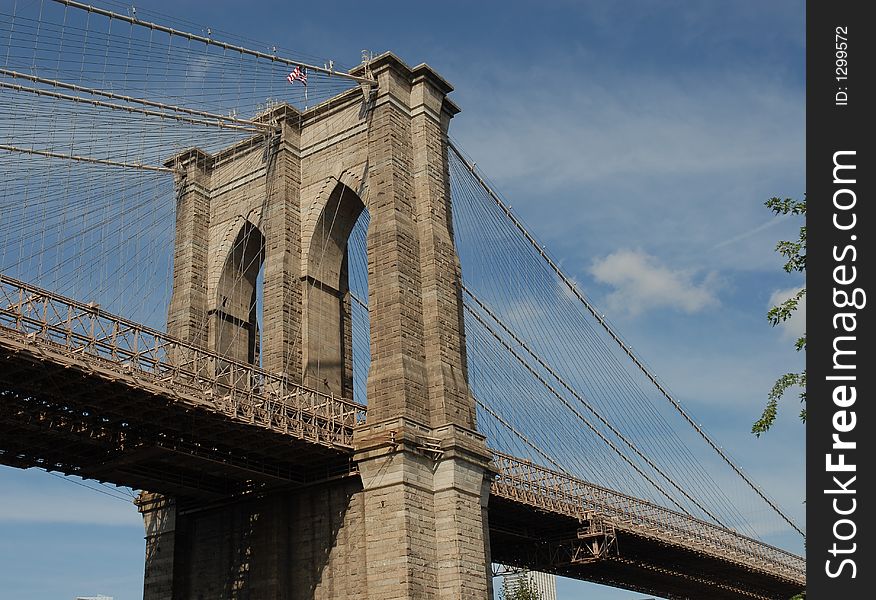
x=422, y=73
x=403, y=433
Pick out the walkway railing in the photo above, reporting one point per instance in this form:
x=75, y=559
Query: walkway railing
x=556, y=492
x=77, y=333
x=74, y=333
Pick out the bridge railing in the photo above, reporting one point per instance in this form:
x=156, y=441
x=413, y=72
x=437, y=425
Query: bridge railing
x=552, y=491
x=83, y=333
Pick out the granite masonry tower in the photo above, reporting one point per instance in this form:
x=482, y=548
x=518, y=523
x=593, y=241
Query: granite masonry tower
x=413, y=523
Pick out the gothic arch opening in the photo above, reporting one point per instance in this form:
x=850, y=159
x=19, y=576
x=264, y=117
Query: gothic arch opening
x=235, y=316
x=328, y=310
x=357, y=276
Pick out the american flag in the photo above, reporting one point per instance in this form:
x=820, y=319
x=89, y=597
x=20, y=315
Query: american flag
x=297, y=74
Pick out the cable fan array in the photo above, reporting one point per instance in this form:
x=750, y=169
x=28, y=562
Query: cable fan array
x=94, y=104
x=555, y=383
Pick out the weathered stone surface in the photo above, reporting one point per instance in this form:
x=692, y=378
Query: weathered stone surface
x=412, y=525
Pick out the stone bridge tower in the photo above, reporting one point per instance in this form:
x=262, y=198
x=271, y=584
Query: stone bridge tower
x=413, y=523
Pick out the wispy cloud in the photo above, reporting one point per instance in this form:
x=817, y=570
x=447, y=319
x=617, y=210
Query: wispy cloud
x=641, y=282
x=750, y=232
x=577, y=130
x=678, y=164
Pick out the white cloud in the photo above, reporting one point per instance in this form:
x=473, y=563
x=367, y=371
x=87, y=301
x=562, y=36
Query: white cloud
x=679, y=164
x=641, y=283
x=794, y=327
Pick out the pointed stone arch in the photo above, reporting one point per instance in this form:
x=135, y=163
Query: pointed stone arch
x=327, y=330
x=233, y=317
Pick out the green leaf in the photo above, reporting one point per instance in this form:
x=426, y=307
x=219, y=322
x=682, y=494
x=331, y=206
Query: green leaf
x=795, y=254
x=768, y=417
x=785, y=206
x=785, y=310
x=800, y=344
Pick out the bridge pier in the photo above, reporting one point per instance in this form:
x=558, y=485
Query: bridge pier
x=159, y=520
x=410, y=521
x=292, y=545
x=412, y=527
x=426, y=505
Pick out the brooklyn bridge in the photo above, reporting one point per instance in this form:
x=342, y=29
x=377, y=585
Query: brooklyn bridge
x=320, y=344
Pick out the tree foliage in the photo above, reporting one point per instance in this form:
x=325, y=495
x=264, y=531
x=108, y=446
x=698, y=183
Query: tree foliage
x=794, y=252
x=522, y=588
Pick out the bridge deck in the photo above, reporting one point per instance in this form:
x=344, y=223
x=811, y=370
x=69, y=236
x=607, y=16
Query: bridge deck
x=124, y=399
x=84, y=392
x=547, y=520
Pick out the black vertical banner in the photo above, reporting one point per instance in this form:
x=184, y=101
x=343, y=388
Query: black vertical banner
x=841, y=224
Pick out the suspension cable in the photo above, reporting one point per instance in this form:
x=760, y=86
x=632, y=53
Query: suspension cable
x=210, y=41
x=98, y=161
x=106, y=94
x=129, y=109
x=574, y=393
x=581, y=417
x=522, y=437
x=627, y=350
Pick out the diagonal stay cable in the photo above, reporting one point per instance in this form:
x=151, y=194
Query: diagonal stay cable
x=577, y=396
x=129, y=109
x=496, y=416
x=98, y=161
x=590, y=425
x=522, y=437
x=574, y=289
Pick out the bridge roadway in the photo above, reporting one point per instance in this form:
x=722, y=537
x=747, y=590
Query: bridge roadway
x=88, y=393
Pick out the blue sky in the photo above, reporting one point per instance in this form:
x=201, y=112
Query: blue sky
x=637, y=139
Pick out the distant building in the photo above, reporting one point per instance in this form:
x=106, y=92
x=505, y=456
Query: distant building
x=545, y=584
